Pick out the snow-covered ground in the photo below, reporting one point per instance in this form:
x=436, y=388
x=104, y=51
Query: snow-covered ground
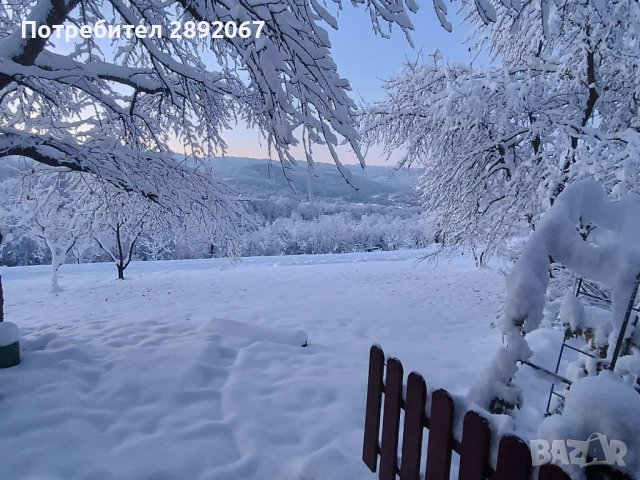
x=195, y=369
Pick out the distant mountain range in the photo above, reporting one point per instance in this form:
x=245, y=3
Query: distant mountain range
x=260, y=179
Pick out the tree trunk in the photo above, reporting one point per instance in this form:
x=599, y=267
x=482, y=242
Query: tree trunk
x=120, y=272
x=56, y=262
x=309, y=182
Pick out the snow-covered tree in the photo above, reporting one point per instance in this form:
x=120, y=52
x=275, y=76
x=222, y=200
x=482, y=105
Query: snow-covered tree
x=120, y=220
x=499, y=144
x=49, y=206
x=158, y=245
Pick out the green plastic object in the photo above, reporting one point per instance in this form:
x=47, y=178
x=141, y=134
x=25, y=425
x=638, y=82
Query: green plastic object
x=10, y=355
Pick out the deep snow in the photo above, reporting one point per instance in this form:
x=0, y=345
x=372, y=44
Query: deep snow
x=195, y=370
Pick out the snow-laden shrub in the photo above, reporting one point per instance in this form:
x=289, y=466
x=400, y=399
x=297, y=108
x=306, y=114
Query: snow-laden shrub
x=341, y=232
x=602, y=404
x=609, y=255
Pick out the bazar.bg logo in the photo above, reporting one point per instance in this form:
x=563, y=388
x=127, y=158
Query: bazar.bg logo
x=596, y=450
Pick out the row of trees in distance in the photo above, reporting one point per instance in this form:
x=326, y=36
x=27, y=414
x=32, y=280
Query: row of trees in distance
x=55, y=216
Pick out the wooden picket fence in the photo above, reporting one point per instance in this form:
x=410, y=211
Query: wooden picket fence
x=514, y=456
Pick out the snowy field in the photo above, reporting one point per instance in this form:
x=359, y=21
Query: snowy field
x=195, y=370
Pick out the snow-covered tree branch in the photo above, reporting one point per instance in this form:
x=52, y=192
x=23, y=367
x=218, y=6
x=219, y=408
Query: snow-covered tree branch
x=140, y=94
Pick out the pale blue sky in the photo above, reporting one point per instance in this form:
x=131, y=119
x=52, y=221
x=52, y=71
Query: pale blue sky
x=366, y=60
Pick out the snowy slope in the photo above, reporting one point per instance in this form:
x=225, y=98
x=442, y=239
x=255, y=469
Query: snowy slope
x=195, y=370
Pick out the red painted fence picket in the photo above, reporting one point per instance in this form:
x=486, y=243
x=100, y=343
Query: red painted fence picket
x=413, y=426
x=371, y=448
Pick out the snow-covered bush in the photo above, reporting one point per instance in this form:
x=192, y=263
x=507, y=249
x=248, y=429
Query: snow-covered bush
x=340, y=232
x=602, y=405
x=609, y=255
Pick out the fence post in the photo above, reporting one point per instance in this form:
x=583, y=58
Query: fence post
x=413, y=427
x=514, y=459
x=440, y=436
x=391, y=420
x=474, y=450
x=552, y=472
x=374, y=404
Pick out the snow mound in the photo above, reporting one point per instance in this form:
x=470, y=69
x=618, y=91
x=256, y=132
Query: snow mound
x=599, y=405
x=257, y=333
x=9, y=333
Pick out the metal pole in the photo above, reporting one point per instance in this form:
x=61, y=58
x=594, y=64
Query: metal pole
x=623, y=329
x=551, y=390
